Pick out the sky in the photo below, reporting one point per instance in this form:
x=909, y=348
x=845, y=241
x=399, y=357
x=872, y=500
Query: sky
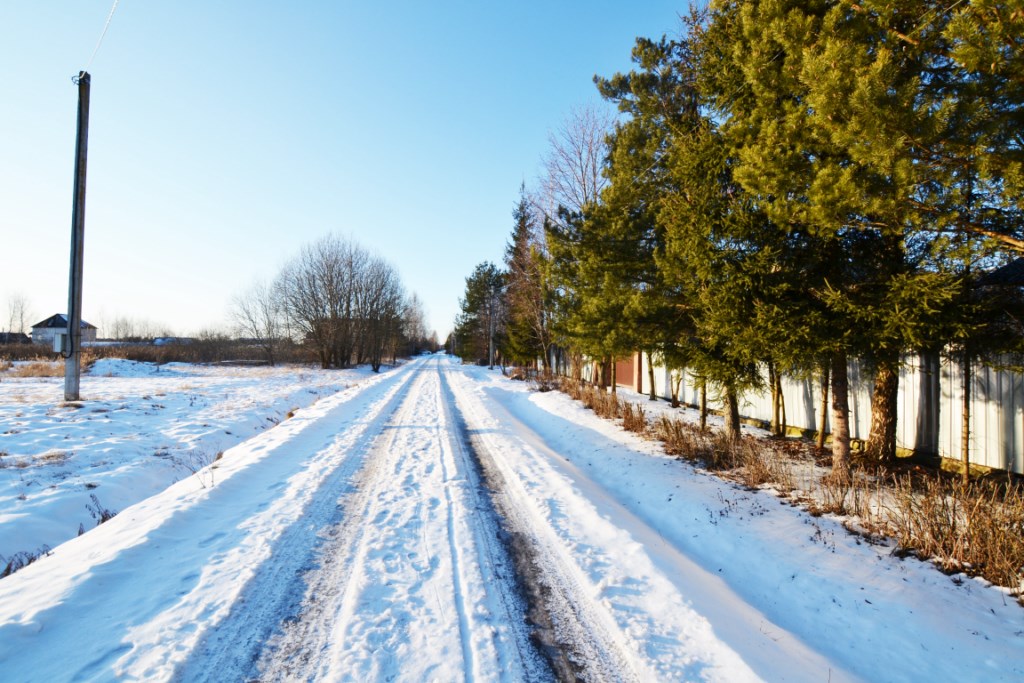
x=224, y=137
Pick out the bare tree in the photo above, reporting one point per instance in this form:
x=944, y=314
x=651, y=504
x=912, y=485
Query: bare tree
x=573, y=177
x=19, y=313
x=344, y=301
x=125, y=328
x=382, y=302
x=414, y=322
x=258, y=314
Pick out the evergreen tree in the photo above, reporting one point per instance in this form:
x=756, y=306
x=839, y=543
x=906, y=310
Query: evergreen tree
x=819, y=88
x=590, y=291
x=527, y=294
x=655, y=100
x=480, y=325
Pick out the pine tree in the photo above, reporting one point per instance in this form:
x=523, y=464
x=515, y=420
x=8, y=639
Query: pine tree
x=527, y=292
x=819, y=90
x=480, y=325
x=656, y=99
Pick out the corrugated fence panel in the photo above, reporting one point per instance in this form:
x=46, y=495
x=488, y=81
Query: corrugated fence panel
x=929, y=407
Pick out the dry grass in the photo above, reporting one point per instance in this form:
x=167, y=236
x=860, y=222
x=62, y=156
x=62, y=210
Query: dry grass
x=977, y=529
x=38, y=368
x=634, y=419
x=678, y=437
x=52, y=458
x=198, y=351
x=20, y=560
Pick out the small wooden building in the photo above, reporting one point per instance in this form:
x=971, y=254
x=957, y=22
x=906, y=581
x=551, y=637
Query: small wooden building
x=43, y=332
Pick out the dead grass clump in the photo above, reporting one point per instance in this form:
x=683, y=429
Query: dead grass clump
x=52, y=458
x=714, y=449
x=38, y=368
x=20, y=560
x=634, y=419
x=719, y=452
x=98, y=512
x=762, y=465
x=601, y=402
x=5, y=365
x=975, y=528
x=546, y=382
x=571, y=388
x=677, y=437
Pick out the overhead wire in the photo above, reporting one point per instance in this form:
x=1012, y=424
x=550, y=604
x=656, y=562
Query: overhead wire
x=102, y=35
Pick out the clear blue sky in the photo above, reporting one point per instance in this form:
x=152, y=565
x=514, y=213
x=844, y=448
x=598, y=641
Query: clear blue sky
x=224, y=136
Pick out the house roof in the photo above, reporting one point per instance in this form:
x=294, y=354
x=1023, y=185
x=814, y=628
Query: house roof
x=60, y=320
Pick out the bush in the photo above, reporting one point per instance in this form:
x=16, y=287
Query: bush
x=975, y=528
x=634, y=419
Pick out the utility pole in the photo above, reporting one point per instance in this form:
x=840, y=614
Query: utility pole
x=73, y=339
x=490, y=324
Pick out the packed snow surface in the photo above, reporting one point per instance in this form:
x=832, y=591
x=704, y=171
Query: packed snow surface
x=364, y=539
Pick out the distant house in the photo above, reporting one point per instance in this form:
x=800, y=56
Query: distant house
x=43, y=332
x=14, y=338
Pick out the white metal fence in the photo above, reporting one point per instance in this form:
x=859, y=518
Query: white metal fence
x=930, y=408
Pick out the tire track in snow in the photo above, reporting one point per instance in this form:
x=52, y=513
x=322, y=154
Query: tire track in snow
x=493, y=556
x=615, y=581
x=303, y=648
x=407, y=586
x=274, y=593
x=581, y=628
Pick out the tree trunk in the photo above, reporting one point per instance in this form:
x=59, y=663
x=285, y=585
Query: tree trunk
x=650, y=376
x=881, y=446
x=615, y=378
x=824, y=405
x=732, y=414
x=965, y=422
x=840, y=419
x=773, y=383
x=703, y=404
x=782, y=407
x=676, y=381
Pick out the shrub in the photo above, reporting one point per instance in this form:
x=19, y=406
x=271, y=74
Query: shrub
x=975, y=528
x=634, y=419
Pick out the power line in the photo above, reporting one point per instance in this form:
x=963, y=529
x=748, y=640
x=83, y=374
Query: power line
x=102, y=35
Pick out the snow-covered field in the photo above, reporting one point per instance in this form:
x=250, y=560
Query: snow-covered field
x=358, y=541
x=139, y=428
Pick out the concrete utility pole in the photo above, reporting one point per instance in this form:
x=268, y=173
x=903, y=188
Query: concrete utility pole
x=73, y=339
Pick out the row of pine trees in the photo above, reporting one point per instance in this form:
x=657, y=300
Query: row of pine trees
x=786, y=186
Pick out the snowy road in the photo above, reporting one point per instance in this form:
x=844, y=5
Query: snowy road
x=405, y=528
